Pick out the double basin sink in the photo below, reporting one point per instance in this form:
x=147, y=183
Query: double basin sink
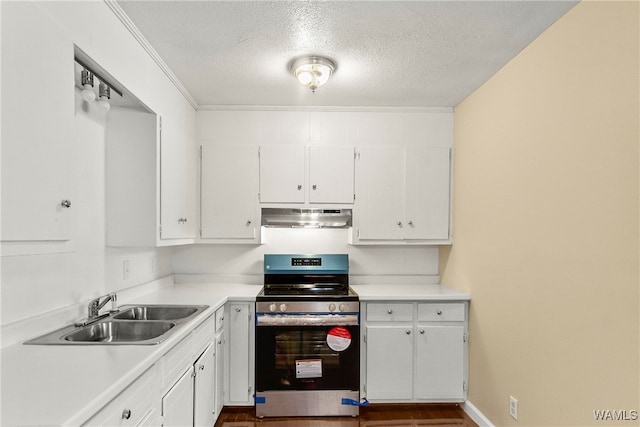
x=132, y=324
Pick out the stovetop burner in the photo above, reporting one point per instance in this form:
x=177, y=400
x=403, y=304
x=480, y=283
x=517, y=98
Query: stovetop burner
x=294, y=277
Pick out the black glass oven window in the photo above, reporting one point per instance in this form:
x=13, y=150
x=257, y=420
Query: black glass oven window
x=298, y=358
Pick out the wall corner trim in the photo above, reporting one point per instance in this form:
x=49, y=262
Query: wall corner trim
x=135, y=32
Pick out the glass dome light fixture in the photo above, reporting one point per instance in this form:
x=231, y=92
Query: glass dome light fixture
x=105, y=95
x=313, y=71
x=87, y=92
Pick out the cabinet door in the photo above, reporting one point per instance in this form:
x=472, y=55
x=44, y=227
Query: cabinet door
x=389, y=367
x=219, y=395
x=379, y=193
x=229, y=192
x=240, y=382
x=440, y=362
x=331, y=172
x=177, y=404
x=282, y=174
x=204, y=411
x=38, y=163
x=177, y=181
x=427, y=193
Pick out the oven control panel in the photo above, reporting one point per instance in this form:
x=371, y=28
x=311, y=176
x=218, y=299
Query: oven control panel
x=308, y=307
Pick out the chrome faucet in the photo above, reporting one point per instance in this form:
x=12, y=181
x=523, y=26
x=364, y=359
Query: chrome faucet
x=95, y=305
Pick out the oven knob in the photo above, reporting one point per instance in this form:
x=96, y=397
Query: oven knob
x=272, y=307
x=332, y=307
x=283, y=307
x=342, y=307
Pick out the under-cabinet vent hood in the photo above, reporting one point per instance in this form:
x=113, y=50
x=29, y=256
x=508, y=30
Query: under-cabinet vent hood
x=306, y=218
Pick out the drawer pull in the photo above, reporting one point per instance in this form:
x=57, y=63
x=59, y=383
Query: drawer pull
x=408, y=332
x=439, y=312
x=126, y=414
x=389, y=311
x=421, y=331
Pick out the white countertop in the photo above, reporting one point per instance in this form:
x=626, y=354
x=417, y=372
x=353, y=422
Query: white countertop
x=409, y=292
x=66, y=385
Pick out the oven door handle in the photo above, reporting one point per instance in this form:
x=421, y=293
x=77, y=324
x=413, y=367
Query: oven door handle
x=307, y=320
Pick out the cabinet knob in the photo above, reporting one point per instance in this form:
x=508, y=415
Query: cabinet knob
x=238, y=309
x=399, y=223
x=389, y=311
x=299, y=187
x=202, y=367
x=126, y=414
x=421, y=331
x=439, y=312
x=408, y=332
x=411, y=223
x=248, y=222
x=315, y=187
x=66, y=203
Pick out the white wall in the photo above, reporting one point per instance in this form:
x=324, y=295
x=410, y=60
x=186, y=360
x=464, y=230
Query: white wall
x=34, y=285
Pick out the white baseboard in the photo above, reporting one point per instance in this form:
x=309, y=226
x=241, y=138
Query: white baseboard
x=475, y=414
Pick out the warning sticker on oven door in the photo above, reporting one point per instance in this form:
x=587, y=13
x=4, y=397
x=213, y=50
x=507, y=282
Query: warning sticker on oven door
x=309, y=368
x=338, y=338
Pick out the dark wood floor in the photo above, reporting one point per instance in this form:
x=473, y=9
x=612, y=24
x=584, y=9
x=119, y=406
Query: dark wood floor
x=375, y=415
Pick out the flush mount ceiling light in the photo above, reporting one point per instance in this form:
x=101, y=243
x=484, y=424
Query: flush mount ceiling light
x=313, y=71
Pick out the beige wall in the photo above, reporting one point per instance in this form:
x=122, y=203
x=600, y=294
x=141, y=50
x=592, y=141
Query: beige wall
x=546, y=223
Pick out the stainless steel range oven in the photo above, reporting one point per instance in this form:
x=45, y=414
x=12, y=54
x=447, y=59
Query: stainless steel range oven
x=307, y=338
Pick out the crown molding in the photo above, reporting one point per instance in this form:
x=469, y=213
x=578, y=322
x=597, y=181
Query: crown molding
x=342, y=109
x=135, y=32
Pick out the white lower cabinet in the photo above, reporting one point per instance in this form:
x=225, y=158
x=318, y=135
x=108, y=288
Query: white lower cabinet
x=137, y=405
x=177, y=403
x=415, y=351
x=204, y=411
x=240, y=336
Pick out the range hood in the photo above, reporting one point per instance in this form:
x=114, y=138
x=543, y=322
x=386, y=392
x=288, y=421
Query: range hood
x=306, y=218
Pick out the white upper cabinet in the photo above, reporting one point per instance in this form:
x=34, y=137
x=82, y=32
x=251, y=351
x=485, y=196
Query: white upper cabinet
x=427, y=193
x=38, y=163
x=178, y=171
x=286, y=178
x=379, y=192
x=282, y=174
x=151, y=181
x=402, y=195
x=229, y=193
x=331, y=174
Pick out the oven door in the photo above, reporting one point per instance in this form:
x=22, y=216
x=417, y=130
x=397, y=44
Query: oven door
x=308, y=356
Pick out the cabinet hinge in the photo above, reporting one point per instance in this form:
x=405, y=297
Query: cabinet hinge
x=365, y=337
x=464, y=386
x=160, y=230
x=464, y=337
x=201, y=152
x=160, y=123
x=354, y=197
x=364, y=388
x=201, y=233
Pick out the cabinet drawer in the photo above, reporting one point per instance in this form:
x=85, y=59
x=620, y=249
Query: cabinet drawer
x=219, y=319
x=203, y=335
x=134, y=406
x=441, y=312
x=390, y=312
x=176, y=360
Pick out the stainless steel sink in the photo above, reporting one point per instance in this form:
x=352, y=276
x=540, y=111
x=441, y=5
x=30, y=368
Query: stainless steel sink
x=158, y=312
x=119, y=332
x=132, y=324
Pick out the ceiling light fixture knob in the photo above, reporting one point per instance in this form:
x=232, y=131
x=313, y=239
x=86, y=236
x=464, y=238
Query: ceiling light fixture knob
x=313, y=71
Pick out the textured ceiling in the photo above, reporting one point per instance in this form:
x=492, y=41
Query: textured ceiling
x=388, y=53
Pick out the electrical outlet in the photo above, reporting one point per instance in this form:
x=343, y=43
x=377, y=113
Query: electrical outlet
x=126, y=269
x=513, y=407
